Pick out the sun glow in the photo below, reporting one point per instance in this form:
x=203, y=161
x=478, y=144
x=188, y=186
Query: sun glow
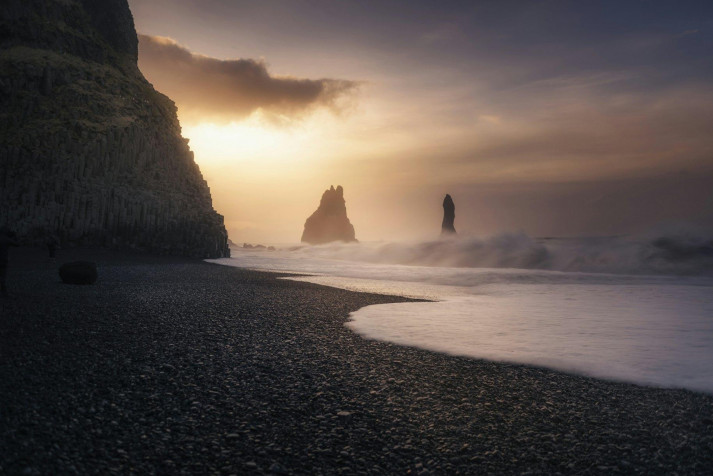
x=243, y=142
x=269, y=175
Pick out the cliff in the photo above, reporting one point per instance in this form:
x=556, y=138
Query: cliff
x=449, y=216
x=89, y=151
x=329, y=222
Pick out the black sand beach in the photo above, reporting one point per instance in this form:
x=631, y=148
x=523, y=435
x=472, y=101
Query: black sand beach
x=181, y=367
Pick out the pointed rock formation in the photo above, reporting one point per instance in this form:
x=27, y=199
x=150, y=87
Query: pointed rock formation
x=329, y=222
x=89, y=150
x=449, y=216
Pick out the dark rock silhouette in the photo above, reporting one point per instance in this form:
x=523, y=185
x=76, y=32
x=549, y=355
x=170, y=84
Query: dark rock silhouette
x=78, y=272
x=89, y=151
x=249, y=246
x=7, y=239
x=449, y=216
x=329, y=222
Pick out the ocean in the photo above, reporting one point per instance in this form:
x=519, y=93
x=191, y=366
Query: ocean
x=630, y=309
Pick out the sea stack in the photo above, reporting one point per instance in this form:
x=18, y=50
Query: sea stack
x=329, y=222
x=89, y=151
x=449, y=216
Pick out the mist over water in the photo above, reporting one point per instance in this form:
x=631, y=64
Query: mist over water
x=678, y=254
x=632, y=309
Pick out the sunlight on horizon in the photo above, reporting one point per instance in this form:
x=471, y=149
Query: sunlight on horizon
x=271, y=175
x=318, y=138
x=247, y=141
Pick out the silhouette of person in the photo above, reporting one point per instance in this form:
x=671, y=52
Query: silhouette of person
x=7, y=239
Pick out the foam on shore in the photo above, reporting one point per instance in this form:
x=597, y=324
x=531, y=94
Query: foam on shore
x=653, y=330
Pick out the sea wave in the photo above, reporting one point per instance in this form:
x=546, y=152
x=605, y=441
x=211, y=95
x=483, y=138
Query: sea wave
x=677, y=254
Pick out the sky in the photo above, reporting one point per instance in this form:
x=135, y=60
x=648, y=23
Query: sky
x=553, y=118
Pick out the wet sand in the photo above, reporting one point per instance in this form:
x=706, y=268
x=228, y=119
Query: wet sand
x=177, y=366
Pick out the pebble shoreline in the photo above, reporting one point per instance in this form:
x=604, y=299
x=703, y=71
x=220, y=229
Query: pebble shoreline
x=175, y=366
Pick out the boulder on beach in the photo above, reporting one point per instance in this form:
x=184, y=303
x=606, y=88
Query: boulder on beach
x=449, y=216
x=329, y=222
x=78, y=272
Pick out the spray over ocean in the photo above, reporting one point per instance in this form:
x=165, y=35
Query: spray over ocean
x=630, y=309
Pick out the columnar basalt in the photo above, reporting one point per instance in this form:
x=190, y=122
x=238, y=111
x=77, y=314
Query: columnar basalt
x=89, y=151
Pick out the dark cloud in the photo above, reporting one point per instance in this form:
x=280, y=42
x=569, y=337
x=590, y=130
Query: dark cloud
x=205, y=87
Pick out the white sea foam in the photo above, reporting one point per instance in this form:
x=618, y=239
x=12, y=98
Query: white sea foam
x=675, y=253
x=648, y=329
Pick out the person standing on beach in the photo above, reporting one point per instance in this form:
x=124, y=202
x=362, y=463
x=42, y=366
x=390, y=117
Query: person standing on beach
x=7, y=239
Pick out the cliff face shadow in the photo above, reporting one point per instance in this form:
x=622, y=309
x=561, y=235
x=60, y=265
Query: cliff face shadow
x=89, y=150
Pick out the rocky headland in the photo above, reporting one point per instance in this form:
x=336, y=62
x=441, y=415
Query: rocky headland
x=329, y=222
x=89, y=150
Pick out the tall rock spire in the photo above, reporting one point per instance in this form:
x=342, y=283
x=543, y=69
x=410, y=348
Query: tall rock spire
x=449, y=216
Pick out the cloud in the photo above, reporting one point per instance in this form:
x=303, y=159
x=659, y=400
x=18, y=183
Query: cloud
x=227, y=90
x=443, y=33
x=596, y=126
x=596, y=133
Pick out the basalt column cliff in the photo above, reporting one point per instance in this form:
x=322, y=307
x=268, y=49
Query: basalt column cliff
x=89, y=151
